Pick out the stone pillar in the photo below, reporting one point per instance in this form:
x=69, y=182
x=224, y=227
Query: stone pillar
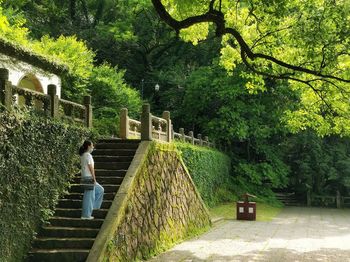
x=5, y=89
x=199, y=136
x=166, y=116
x=182, y=132
x=146, y=123
x=124, y=124
x=192, y=137
x=51, y=89
x=88, y=111
x=339, y=204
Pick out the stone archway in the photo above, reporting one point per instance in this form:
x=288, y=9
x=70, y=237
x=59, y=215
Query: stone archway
x=30, y=81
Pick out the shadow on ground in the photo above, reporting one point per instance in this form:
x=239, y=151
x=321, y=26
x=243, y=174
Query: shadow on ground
x=271, y=255
x=296, y=234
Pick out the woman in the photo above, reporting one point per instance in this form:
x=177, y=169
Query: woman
x=93, y=196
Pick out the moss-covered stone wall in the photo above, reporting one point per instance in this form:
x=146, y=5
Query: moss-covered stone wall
x=163, y=208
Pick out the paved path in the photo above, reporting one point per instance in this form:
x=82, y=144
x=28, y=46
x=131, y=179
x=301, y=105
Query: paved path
x=296, y=234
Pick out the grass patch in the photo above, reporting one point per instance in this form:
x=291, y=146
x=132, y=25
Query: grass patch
x=264, y=211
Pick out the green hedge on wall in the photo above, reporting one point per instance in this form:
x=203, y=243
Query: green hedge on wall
x=37, y=158
x=210, y=171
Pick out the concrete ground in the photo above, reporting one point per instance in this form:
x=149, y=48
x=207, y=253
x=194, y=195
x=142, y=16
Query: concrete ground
x=296, y=234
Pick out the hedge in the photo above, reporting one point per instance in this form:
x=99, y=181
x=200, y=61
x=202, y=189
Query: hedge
x=38, y=156
x=210, y=171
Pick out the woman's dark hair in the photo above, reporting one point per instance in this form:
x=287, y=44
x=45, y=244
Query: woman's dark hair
x=84, y=147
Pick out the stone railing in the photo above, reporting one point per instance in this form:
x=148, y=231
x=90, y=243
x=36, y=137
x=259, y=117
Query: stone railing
x=155, y=128
x=49, y=103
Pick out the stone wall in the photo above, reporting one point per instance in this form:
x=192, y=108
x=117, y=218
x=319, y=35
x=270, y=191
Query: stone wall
x=163, y=208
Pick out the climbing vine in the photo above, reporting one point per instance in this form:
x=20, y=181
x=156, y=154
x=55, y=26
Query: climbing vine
x=37, y=159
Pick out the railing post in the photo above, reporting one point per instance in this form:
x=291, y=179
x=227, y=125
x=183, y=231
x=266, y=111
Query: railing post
x=51, y=89
x=200, y=139
x=192, y=137
x=146, y=123
x=172, y=133
x=308, y=198
x=206, y=139
x=166, y=116
x=88, y=111
x=339, y=205
x=124, y=124
x=182, y=132
x=5, y=89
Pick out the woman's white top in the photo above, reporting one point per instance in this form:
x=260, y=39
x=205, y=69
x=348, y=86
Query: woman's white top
x=85, y=160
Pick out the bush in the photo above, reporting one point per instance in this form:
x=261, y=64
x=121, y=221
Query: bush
x=110, y=94
x=38, y=156
x=210, y=171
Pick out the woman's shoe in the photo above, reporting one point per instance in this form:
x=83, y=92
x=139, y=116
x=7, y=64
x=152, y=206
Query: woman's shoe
x=87, y=218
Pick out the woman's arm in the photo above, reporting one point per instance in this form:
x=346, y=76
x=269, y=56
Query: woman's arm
x=92, y=171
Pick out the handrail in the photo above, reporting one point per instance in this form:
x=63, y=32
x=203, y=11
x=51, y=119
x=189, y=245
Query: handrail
x=49, y=103
x=159, y=128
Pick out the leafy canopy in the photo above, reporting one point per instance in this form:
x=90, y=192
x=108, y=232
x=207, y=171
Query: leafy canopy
x=303, y=43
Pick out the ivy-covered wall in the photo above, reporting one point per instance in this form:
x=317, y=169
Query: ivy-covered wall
x=163, y=208
x=37, y=158
x=210, y=171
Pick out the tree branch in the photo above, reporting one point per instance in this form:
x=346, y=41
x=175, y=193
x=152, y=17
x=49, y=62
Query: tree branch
x=217, y=17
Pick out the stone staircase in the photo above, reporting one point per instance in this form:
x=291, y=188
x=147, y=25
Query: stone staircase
x=67, y=237
x=288, y=198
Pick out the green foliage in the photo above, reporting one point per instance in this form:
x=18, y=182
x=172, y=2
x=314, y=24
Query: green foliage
x=110, y=95
x=38, y=157
x=321, y=165
x=210, y=171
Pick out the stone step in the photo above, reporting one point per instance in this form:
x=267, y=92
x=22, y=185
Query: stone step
x=77, y=188
x=75, y=222
x=112, y=166
x=55, y=243
x=73, y=203
x=117, y=145
x=79, y=196
x=76, y=212
x=56, y=255
x=113, y=158
x=119, y=140
x=114, y=152
x=114, y=173
x=103, y=180
x=78, y=232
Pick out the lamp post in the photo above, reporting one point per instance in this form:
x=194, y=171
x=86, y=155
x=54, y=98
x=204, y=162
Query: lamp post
x=156, y=87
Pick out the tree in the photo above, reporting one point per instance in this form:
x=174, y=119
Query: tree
x=305, y=43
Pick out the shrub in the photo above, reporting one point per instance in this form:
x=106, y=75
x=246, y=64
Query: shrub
x=110, y=94
x=210, y=171
x=38, y=156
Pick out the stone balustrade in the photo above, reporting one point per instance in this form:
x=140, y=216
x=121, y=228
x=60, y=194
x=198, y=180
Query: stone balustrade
x=155, y=128
x=49, y=103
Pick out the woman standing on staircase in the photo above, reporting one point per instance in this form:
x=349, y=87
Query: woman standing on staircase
x=93, y=191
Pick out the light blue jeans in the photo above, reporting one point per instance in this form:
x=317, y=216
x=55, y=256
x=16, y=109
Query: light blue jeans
x=92, y=199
